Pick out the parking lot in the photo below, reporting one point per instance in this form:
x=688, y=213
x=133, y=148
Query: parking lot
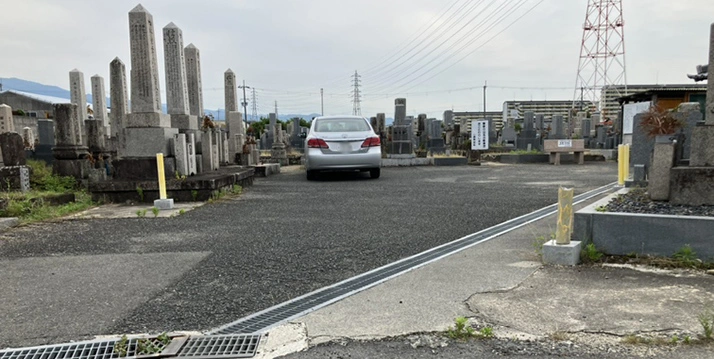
x=281, y=238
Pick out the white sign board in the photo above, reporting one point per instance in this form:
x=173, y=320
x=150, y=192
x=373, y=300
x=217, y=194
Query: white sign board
x=565, y=143
x=628, y=115
x=479, y=135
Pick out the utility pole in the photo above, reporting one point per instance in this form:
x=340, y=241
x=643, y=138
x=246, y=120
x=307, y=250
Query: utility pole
x=485, y=83
x=322, y=101
x=244, y=103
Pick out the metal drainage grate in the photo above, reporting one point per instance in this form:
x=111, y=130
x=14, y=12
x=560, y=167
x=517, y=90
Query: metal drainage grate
x=217, y=346
x=221, y=346
x=304, y=304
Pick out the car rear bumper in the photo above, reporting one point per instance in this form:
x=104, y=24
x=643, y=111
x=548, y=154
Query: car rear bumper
x=316, y=160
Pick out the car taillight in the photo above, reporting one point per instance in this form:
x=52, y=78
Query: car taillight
x=316, y=143
x=372, y=141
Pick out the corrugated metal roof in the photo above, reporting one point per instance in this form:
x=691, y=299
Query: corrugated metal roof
x=47, y=99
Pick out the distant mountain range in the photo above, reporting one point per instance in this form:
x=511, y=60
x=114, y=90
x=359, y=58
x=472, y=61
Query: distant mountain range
x=54, y=91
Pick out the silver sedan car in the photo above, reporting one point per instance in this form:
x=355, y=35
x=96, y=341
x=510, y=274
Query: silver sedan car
x=342, y=143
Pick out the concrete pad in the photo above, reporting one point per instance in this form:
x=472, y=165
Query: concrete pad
x=619, y=301
x=114, y=210
x=282, y=340
x=57, y=299
x=428, y=298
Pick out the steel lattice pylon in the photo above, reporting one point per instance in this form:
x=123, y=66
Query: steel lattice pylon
x=356, y=95
x=602, y=54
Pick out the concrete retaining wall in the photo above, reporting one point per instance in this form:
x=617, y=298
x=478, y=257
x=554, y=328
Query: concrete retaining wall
x=659, y=235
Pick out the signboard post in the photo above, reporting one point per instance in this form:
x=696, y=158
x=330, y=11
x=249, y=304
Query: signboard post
x=479, y=135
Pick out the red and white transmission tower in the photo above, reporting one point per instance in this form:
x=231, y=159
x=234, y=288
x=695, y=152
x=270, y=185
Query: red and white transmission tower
x=602, y=55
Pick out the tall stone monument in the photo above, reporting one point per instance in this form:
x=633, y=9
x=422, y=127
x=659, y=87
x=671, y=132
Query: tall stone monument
x=193, y=79
x=236, y=133
x=177, y=101
x=231, y=95
x=78, y=96
x=119, y=98
x=99, y=102
x=148, y=131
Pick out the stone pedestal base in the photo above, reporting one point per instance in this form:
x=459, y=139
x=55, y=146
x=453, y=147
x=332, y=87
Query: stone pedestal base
x=164, y=204
x=148, y=119
x=279, y=155
x=15, y=178
x=78, y=169
x=184, y=122
x=562, y=254
x=142, y=169
x=692, y=186
x=147, y=142
x=701, y=150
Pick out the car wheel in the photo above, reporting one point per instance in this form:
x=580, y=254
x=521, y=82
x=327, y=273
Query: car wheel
x=374, y=173
x=311, y=175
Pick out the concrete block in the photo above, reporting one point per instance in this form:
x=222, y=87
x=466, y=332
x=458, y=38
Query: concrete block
x=164, y=204
x=692, y=186
x=562, y=254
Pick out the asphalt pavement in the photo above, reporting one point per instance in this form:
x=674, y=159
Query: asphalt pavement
x=283, y=237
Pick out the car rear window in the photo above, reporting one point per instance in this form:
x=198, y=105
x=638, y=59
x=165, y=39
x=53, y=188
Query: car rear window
x=341, y=125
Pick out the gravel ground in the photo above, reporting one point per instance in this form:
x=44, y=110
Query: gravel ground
x=436, y=346
x=285, y=236
x=637, y=201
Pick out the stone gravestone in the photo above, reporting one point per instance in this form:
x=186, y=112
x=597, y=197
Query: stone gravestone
x=28, y=138
x=177, y=102
x=193, y=79
x=207, y=153
x=191, y=155
x=119, y=98
x=180, y=152
x=527, y=138
x=13, y=149
x=99, y=101
x=78, y=96
x=7, y=123
x=402, y=133
x=557, y=128
x=46, y=132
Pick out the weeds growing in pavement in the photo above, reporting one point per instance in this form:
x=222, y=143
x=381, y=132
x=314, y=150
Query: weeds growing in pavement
x=462, y=330
x=141, y=213
x=121, y=347
x=155, y=211
x=706, y=319
x=590, y=253
x=686, y=255
x=181, y=212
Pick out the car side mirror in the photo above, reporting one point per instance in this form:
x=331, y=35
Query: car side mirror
x=303, y=134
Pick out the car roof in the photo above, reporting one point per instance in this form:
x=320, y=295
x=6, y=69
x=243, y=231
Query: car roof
x=339, y=117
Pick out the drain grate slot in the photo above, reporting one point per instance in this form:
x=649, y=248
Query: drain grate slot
x=207, y=347
x=294, y=308
x=220, y=346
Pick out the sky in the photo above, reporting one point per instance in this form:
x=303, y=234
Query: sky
x=438, y=54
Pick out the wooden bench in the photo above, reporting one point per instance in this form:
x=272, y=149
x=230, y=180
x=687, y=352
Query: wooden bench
x=556, y=147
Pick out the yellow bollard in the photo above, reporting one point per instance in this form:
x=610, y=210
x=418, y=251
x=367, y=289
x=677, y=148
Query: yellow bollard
x=627, y=163
x=565, y=216
x=620, y=162
x=162, y=177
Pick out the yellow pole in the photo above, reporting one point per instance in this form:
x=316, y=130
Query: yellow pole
x=564, y=227
x=620, y=163
x=162, y=177
x=627, y=162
